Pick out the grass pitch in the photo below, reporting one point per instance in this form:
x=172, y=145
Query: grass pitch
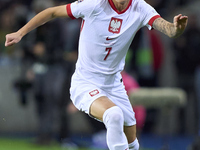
x=26, y=144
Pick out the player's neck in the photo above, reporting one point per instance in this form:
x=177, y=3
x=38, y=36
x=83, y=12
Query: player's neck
x=121, y=4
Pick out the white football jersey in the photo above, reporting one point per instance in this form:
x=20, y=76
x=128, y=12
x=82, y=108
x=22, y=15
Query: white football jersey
x=106, y=33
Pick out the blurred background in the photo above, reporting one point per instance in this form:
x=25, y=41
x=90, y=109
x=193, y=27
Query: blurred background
x=162, y=78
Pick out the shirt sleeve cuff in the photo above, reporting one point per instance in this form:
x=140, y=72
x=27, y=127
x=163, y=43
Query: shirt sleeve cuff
x=69, y=11
x=153, y=19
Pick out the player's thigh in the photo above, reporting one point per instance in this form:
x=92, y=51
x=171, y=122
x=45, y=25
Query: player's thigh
x=99, y=106
x=130, y=132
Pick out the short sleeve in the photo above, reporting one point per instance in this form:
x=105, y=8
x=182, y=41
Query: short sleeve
x=149, y=14
x=80, y=8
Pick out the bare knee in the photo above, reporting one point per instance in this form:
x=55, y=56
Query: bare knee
x=99, y=106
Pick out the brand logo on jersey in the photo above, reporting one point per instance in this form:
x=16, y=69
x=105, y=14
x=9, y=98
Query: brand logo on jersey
x=115, y=25
x=107, y=39
x=93, y=93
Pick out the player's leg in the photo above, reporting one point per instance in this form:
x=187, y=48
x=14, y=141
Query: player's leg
x=122, y=100
x=130, y=132
x=99, y=106
x=112, y=116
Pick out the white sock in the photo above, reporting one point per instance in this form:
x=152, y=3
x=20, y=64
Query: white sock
x=114, y=121
x=134, y=145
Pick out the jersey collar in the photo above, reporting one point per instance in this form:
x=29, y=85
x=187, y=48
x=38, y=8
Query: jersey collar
x=115, y=9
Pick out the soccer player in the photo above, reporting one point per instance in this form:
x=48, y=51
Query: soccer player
x=107, y=31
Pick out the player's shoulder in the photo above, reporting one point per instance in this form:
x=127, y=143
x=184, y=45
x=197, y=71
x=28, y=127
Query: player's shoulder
x=140, y=4
x=96, y=5
x=139, y=1
x=90, y=2
x=87, y=7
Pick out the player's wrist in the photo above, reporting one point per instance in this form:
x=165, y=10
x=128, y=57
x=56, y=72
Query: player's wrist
x=178, y=32
x=22, y=32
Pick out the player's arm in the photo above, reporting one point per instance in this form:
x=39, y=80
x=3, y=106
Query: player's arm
x=174, y=29
x=40, y=19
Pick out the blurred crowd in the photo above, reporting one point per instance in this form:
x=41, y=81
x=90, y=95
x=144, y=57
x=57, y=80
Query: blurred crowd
x=48, y=54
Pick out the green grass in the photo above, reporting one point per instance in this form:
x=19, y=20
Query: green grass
x=26, y=144
x=23, y=144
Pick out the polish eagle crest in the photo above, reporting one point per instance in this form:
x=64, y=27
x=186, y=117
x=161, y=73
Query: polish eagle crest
x=115, y=25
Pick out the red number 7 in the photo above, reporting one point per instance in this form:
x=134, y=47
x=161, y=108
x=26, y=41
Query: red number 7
x=107, y=49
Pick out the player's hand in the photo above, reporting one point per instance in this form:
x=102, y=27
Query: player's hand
x=12, y=38
x=180, y=23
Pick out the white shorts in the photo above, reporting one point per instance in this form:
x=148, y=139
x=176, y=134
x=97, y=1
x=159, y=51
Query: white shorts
x=87, y=87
